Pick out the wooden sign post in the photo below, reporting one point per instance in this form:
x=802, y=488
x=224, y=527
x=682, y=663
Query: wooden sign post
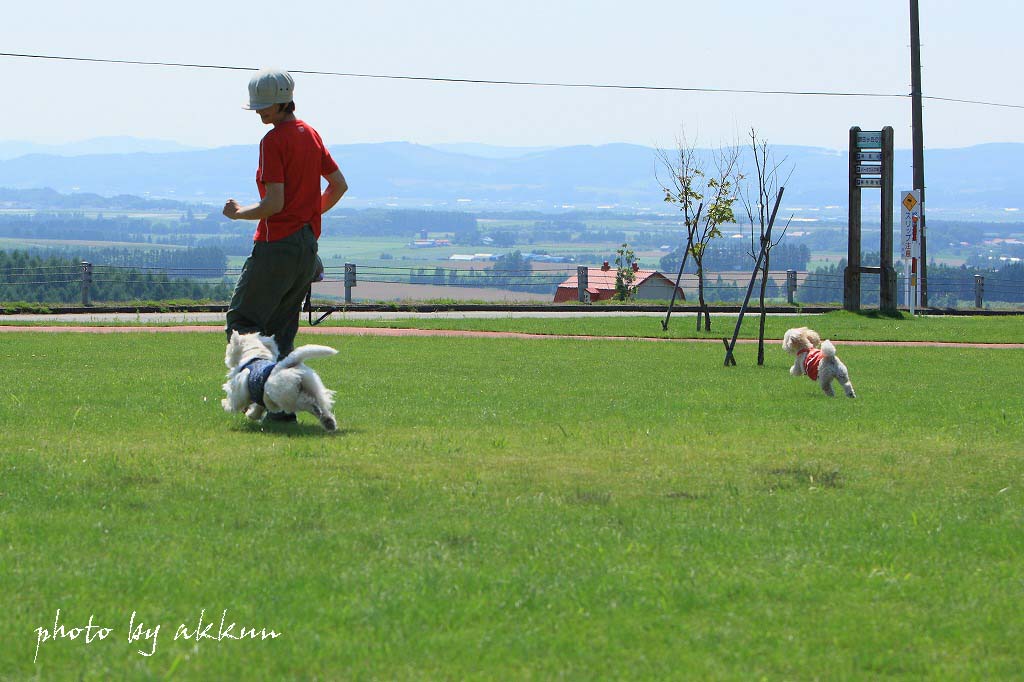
x=871, y=158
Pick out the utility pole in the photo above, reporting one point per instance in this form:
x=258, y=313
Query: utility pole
x=918, y=135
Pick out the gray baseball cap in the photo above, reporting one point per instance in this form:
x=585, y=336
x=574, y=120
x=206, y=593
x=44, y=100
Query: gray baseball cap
x=269, y=87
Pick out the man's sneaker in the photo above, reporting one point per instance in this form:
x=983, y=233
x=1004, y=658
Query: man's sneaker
x=282, y=417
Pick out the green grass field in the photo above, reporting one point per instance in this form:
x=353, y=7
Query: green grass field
x=514, y=509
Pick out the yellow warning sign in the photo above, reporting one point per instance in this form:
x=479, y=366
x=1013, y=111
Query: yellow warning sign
x=909, y=201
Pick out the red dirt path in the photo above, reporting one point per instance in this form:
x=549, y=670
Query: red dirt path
x=459, y=333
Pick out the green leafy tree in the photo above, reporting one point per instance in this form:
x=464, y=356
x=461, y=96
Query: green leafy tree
x=624, y=273
x=705, y=197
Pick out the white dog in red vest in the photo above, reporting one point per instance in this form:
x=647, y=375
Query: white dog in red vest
x=817, y=359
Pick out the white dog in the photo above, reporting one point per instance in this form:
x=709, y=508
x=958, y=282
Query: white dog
x=820, y=365
x=256, y=383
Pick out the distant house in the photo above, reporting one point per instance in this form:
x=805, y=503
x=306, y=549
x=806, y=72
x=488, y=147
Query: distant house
x=472, y=256
x=648, y=285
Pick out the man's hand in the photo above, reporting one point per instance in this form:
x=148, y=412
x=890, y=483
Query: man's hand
x=232, y=209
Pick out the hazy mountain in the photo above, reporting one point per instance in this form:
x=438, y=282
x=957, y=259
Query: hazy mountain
x=981, y=180
x=96, y=145
x=488, y=151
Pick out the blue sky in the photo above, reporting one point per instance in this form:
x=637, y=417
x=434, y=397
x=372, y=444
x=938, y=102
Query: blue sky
x=971, y=51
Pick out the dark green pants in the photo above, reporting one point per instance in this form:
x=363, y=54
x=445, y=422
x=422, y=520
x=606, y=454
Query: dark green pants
x=269, y=294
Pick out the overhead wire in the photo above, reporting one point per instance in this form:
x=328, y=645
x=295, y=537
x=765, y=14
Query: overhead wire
x=526, y=83
x=473, y=81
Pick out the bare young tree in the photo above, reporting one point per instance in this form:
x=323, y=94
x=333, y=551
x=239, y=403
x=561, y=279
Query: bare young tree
x=766, y=186
x=705, y=199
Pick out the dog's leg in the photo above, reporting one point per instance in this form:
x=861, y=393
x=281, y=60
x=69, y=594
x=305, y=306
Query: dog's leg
x=255, y=412
x=844, y=380
x=308, y=403
x=826, y=386
x=320, y=400
x=327, y=419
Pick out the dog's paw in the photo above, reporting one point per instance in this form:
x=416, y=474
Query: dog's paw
x=329, y=422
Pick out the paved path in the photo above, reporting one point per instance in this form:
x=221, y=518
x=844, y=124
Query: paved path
x=460, y=333
x=194, y=317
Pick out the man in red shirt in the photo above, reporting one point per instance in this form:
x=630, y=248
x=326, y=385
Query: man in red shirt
x=269, y=293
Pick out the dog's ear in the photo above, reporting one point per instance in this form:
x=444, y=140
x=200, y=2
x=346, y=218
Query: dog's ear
x=234, y=350
x=787, y=339
x=270, y=344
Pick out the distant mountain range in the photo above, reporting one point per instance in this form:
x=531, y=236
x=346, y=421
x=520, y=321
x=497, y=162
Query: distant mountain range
x=982, y=181
x=96, y=145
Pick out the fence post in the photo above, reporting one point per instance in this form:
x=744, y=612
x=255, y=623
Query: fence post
x=86, y=283
x=582, y=283
x=979, y=290
x=791, y=286
x=350, y=280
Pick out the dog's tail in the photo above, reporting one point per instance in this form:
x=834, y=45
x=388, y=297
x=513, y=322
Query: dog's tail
x=828, y=349
x=303, y=353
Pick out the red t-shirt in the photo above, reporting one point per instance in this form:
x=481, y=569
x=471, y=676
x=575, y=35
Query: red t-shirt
x=294, y=154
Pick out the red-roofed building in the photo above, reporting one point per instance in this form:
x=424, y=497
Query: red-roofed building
x=648, y=285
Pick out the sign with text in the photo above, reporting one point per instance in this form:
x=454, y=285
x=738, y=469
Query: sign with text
x=868, y=156
x=911, y=232
x=869, y=139
x=911, y=247
x=870, y=169
x=869, y=182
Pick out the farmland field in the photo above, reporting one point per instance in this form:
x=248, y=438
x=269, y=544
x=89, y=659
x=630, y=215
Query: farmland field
x=380, y=291
x=513, y=509
x=35, y=243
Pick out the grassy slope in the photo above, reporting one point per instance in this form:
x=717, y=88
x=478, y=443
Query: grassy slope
x=500, y=509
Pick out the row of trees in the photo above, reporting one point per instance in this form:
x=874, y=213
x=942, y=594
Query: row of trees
x=118, y=228
x=32, y=278
x=734, y=255
x=948, y=287
x=206, y=262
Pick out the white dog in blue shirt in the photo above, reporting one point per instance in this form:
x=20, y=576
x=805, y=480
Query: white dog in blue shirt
x=257, y=383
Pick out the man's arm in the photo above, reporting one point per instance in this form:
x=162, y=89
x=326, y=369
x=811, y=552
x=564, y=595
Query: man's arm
x=271, y=204
x=336, y=188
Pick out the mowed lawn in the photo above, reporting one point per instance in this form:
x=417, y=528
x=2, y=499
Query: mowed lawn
x=513, y=509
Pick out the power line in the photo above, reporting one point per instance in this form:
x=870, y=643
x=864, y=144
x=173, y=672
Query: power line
x=543, y=84
x=972, y=101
